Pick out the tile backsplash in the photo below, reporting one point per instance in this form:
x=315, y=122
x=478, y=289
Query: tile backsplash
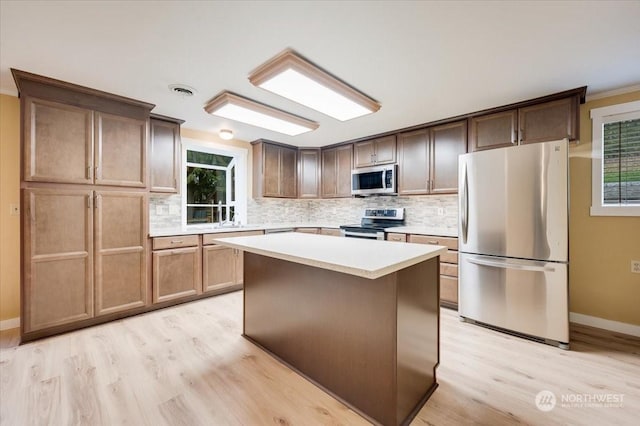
x=420, y=210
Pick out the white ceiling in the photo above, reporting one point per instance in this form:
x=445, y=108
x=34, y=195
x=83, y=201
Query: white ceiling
x=423, y=61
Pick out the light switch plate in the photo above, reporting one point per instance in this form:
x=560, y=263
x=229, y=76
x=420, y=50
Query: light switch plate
x=440, y=211
x=635, y=266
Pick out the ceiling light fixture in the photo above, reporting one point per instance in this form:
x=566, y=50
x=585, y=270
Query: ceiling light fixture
x=226, y=134
x=182, y=90
x=295, y=78
x=234, y=107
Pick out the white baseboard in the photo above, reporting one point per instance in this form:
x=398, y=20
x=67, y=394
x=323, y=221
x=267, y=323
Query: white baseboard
x=620, y=327
x=10, y=323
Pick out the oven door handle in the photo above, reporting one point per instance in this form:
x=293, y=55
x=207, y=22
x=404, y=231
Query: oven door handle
x=361, y=234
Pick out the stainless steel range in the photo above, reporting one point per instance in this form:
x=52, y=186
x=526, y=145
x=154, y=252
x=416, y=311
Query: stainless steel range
x=374, y=222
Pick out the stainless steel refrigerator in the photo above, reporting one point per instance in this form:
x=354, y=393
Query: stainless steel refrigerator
x=513, y=240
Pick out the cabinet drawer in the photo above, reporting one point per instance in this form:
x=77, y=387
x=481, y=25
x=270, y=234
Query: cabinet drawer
x=452, y=243
x=451, y=256
x=331, y=231
x=448, y=289
x=308, y=230
x=208, y=239
x=449, y=269
x=178, y=241
x=396, y=237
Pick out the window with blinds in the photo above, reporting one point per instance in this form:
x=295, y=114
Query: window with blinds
x=615, y=160
x=621, y=162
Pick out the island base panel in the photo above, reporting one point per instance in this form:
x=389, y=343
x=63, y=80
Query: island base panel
x=341, y=331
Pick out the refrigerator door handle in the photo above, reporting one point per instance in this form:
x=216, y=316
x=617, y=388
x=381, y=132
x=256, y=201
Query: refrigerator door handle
x=465, y=204
x=507, y=265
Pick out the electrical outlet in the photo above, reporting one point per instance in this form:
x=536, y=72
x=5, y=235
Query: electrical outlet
x=635, y=266
x=14, y=209
x=440, y=211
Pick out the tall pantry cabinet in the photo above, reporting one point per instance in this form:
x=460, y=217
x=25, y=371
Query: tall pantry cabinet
x=84, y=202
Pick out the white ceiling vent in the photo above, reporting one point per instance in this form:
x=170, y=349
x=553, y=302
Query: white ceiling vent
x=182, y=90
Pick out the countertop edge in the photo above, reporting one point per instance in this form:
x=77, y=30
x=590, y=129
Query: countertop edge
x=370, y=274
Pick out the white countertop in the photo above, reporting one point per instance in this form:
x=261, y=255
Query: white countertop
x=196, y=230
x=365, y=258
x=424, y=230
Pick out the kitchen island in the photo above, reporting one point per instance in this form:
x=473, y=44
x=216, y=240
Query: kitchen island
x=357, y=317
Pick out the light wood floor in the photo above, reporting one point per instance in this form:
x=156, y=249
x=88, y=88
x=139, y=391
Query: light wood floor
x=189, y=365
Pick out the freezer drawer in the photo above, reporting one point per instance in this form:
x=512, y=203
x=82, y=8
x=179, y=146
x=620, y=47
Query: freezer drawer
x=529, y=297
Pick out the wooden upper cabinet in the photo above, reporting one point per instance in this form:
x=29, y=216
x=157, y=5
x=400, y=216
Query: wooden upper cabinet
x=274, y=170
x=121, y=150
x=375, y=151
x=164, y=158
x=493, y=130
x=336, y=171
x=308, y=173
x=549, y=121
x=121, y=251
x=58, y=142
x=288, y=172
x=57, y=274
x=413, y=162
x=448, y=141
x=428, y=159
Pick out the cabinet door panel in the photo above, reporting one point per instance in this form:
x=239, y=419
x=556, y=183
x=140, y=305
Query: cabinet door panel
x=493, y=130
x=448, y=289
x=309, y=173
x=385, y=150
x=165, y=156
x=344, y=164
x=413, y=163
x=121, y=247
x=271, y=170
x=364, y=153
x=121, y=149
x=548, y=121
x=218, y=269
x=289, y=166
x=58, y=257
x=448, y=142
x=329, y=173
x=58, y=142
x=176, y=273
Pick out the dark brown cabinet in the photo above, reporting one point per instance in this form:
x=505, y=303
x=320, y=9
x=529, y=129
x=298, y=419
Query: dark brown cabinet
x=493, y=130
x=274, y=170
x=375, y=151
x=336, y=171
x=308, y=173
x=548, y=121
x=164, y=158
x=537, y=122
x=428, y=159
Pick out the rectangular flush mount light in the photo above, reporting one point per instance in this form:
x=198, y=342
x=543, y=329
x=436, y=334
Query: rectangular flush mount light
x=293, y=77
x=234, y=107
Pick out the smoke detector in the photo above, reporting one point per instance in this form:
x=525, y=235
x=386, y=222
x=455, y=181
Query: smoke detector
x=182, y=90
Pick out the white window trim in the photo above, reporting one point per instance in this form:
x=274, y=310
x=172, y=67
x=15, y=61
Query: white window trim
x=599, y=117
x=240, y=155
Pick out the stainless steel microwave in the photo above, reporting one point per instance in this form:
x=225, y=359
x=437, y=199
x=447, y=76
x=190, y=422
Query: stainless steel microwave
x=378, y=180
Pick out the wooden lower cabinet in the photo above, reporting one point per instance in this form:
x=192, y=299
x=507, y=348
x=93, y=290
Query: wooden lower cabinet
x=448, y=266
x=177, y=270
x=58, y=258
x=308, y=230
x=121, y=251
x=335, y=232
x=222, y=267
x=85, y=255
